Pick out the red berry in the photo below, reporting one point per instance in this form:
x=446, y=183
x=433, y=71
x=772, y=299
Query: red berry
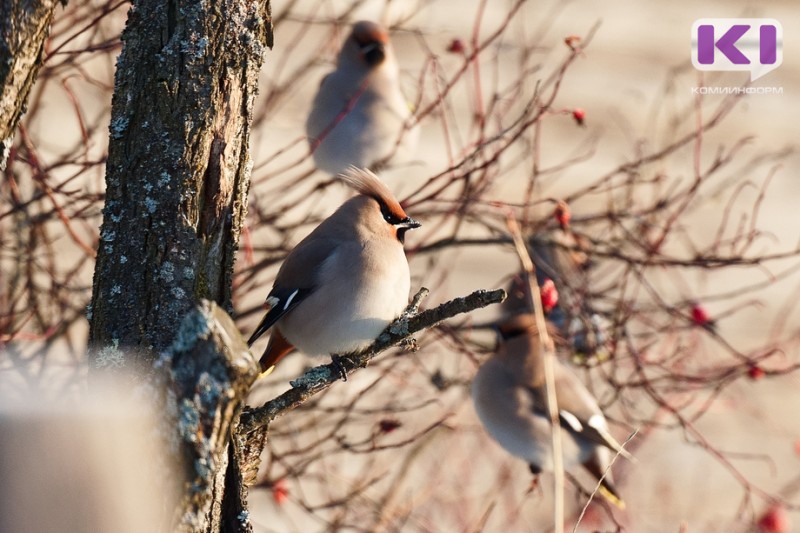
x=579, y=115
x=699, y=315
x=279, y=492
x=774, y=520
x=456, y=46
x=549, y=295
x=755, y=372
x=562, y=214
x=387, y=425
x=572, y=41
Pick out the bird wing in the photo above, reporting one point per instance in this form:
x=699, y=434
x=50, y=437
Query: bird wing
x=577, y=410
x=594, y=429
x=296, y=280
x=279, y=302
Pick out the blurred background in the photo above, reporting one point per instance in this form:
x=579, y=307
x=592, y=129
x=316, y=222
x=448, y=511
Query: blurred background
x=685, y=203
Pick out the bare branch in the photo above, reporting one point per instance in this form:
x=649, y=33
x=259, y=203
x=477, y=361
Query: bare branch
x=321, y=377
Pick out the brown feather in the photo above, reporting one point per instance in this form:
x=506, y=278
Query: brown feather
x=368, y=184
x=519, y=323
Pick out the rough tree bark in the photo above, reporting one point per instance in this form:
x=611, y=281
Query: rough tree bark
x=177, y=178
x=207, y=373
x=24, y=27
x=178, y=167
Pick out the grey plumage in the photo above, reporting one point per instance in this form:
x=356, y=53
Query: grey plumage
x=511, y=401
x=359, y=113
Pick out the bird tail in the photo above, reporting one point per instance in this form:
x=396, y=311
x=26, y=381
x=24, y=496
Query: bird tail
x=277, y=348
x=597, y=466
x=610, y=493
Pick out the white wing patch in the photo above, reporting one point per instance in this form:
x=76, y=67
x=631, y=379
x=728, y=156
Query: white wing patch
x=289, y=299
x=598, y=422
x=572, y=420
x=272, y=302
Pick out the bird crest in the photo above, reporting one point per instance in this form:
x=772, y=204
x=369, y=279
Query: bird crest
x=367, y=183
x=365, y=32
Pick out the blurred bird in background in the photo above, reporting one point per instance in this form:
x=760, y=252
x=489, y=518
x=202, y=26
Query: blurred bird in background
x=562, y=273
x=510, y=399
x=360, y=116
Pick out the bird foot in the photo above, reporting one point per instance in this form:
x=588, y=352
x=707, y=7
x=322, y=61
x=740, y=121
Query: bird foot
x=534, y=486
x=337, y=364
x=410, y=344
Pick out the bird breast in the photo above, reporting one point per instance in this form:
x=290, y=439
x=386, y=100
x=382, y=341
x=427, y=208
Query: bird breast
x=361, y=288
x=363, y=134
x=508, y=412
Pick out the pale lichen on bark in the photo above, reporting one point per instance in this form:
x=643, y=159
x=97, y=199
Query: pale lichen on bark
x=178, y=169
x=177, y=179
x=206, y=373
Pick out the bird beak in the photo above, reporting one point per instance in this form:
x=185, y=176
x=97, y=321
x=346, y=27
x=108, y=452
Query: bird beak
x=373, y=53
x=403, y=226
x=408, y=223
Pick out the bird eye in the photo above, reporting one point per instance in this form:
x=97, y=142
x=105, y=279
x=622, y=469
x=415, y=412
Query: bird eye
x=373, y=53
x=388, y=216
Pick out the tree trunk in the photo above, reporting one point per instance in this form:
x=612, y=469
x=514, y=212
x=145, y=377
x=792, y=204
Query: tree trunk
x=208, y=371
x=177, y=178
x=178, y=168
x=24, y=25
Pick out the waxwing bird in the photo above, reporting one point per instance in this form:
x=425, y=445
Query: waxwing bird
x=345, y=282
x=359, y=114
x=511, y=401
x=562, y=263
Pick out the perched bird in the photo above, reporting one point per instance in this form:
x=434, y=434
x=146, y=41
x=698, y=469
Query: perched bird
x=359, y=114
x=345, y=282
x=511, y=401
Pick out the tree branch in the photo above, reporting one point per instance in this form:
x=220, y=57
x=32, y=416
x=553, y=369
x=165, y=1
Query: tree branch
x=209, y=371
x=24, y=27
x=321, y=377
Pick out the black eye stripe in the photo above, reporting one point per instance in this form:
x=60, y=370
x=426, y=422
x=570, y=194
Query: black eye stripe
x=510, y=333
x=390, y=217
